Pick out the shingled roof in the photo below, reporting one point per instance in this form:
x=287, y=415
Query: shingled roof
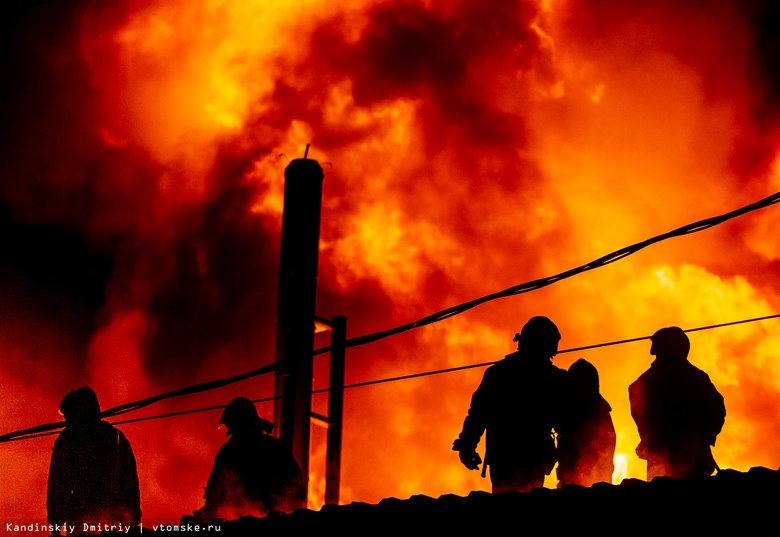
x=730, y=499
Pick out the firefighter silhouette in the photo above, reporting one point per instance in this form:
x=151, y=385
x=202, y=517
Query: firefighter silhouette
x=677, y=410
x=516, y=405
x=586, y=434
x=253, y=473
x=92, y=476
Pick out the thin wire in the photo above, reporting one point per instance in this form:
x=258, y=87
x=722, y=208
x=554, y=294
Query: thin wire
x=196, y=388
x=709, y=327
x=33, y=432
x=455, y=310
x=19, y=436
x=438, y=316
x=444, y=314
x=543, y=282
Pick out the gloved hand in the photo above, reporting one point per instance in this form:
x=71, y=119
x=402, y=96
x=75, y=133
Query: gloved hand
x=470, y=459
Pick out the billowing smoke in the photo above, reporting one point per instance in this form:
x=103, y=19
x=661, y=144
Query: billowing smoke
x=467, y=147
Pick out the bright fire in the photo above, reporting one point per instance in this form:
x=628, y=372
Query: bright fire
x=467, y=146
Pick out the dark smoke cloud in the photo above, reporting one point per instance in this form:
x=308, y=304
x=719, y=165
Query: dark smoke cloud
x=79, y=210
x=51, y=275
x=56, y=167
x=445, y=57
x=453, y=60
x=766, y=18
x=221, y=292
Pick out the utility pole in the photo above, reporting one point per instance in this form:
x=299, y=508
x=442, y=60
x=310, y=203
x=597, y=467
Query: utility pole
x=334, y=421
x=335, y=410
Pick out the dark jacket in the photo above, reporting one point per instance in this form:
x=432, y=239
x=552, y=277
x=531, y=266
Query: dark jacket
x=253, y=474
x=678, y=413
x=516, y=404
x=93, y=476
x=586, y=441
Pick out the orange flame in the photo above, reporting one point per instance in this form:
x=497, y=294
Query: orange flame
x=474, y=146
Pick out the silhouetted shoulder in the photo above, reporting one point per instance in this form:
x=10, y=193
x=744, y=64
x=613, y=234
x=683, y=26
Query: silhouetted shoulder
x=603, y=404
x=515, y=407
x=93, y=473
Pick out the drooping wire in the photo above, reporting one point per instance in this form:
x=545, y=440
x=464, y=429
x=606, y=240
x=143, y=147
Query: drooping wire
x=544, y=282
x=196, y=388
x=136, y=405
x=446, y=313
x=36, y=432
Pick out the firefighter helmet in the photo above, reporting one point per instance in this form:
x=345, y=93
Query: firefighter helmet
x=241, y=412
x=80, y=404
x=671, y=341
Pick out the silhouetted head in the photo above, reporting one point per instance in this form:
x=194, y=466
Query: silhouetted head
x=584, y=376
x=241, y=414
x=80, y=405
x=670, y=342
x=539, y=337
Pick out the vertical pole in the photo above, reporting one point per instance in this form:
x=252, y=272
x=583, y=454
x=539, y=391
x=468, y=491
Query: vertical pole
x=296, y=306
x=335, y=409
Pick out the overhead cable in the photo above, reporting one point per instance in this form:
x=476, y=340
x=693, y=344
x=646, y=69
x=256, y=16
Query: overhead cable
x=544, y=282
x=446, y=313
x=135, y=405
x=36, y=432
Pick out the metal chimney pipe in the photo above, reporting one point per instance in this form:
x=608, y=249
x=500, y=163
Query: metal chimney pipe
x=296, y=305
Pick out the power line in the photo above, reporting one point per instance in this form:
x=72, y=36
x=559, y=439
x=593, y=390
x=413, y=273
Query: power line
x=447, y=313
x=543, y=282
x=42, y=430
x=197, y=388
x=456, y=310
x=21, y=435
x=574, y=349
x=709, y=327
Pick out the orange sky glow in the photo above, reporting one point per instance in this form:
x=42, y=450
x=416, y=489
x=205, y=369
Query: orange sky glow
x=467, y=147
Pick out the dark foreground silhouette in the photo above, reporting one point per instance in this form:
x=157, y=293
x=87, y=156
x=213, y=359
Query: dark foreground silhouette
x=517, y=405
x=586, y=433
x=92, y=477
x=677, y=410
x=253, y=473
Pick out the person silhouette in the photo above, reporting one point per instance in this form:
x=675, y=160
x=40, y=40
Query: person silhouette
x=253, y=473
x=516, y=406
x=677, y=410
x=585, y=433
x=92, y=475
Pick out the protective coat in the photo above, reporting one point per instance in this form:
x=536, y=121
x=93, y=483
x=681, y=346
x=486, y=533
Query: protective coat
x=516, y=405
x=253, y=474
x=678, y=413
x=93, y=476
